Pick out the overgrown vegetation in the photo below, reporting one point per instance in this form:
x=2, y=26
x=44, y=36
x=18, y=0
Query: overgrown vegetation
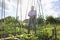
x=47, y=29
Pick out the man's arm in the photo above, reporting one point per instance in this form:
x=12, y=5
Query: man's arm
x=29, y=14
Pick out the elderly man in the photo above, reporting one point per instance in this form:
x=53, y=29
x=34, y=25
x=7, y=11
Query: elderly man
x=32, y=19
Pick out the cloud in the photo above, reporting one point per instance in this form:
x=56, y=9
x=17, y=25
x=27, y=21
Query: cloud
x=10, y=8
x=6, y=5
x=56, y=6
x=9, y=5
x=49, y=8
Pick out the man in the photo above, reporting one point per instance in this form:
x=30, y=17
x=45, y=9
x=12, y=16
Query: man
x=32, y=19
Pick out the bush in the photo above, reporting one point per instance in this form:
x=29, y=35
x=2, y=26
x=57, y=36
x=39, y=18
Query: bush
x=44, y=34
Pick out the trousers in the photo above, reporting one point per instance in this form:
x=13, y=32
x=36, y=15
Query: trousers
x=33, y=22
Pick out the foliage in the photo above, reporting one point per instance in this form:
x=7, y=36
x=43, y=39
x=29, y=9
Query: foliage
x=28, y=37
x=45, y=33
x=40, y=20
x=52, y=20
x=12, y=26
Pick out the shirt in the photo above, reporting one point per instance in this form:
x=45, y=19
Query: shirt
x=32, y=13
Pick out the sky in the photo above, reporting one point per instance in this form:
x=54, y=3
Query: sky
x=50, y=7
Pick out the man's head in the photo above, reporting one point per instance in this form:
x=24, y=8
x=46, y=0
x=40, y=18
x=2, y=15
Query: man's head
x=32, y=7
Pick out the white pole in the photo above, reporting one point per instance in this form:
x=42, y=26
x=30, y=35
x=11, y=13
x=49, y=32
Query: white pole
x=4, y=17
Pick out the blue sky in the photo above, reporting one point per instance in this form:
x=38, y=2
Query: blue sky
x=56, y=6
x=50, y=7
